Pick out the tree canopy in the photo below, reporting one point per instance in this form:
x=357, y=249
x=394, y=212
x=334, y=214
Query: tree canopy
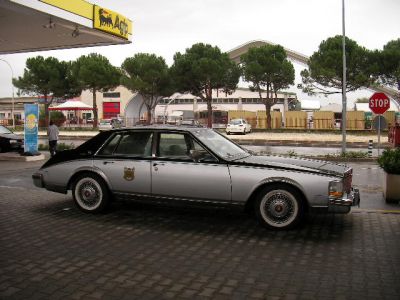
x=148, y=75
x=203, y=68
x=47, y=77
x=269, y=71
x=95, y=73
x=325, y=73
x=390, y=64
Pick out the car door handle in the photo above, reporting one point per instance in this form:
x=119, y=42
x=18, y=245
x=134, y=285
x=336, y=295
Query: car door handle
x=107, y=162
x=157, y=164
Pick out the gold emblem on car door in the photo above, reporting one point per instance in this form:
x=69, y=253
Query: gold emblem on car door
x=129, y=173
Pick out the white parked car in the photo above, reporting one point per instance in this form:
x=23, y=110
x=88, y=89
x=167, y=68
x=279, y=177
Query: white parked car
x=105, y=124
x=238, y=126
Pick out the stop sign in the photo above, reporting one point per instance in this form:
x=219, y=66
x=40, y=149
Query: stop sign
x=379, y=103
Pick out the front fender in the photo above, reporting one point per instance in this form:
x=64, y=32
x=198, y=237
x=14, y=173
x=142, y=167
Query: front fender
x=272, y=180
x=86, y=169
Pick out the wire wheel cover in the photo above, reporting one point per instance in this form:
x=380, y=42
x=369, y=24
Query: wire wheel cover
x=279, y=208
x=88, y=193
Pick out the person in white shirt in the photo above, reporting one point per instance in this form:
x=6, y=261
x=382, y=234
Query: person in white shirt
x=52, y=133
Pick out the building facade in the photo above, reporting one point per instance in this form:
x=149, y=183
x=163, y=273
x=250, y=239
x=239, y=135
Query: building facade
x=121, y=102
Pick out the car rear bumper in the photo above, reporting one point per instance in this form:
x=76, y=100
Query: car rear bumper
x=343, y=205
x=235, y=130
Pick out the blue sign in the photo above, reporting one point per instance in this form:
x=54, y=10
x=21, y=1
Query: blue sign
x=31, y=127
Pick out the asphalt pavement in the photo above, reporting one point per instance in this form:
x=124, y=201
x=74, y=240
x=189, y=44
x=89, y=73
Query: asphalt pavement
x=51, y=250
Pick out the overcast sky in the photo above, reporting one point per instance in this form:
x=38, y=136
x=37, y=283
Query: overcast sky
x=166, y=27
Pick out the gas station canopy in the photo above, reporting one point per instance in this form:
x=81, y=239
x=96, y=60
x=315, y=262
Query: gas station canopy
x=36, y=25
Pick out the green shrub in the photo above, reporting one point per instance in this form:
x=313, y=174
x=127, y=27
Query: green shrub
x=60, y=147
x=291, y=153
x=348, y=155
x=354, y=154
x=390, y=161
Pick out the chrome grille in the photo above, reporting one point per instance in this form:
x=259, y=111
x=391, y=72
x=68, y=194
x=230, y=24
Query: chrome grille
x=348, y=178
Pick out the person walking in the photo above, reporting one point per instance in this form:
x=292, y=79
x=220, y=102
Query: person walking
x=52, y=133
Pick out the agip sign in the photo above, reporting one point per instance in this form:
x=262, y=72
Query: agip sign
x=111, y=22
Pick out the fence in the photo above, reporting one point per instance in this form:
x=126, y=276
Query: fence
x=321, y=120
x=276, y=119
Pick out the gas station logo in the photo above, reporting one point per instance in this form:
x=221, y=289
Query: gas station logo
x=111, y=22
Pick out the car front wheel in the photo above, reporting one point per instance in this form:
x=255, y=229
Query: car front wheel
x=90, y=193
x=279, y=206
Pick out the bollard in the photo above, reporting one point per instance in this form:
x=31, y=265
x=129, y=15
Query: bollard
x=370, y=146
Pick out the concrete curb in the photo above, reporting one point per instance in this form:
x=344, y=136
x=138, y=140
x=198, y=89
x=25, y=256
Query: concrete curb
x=12, y=156
x=321, y=144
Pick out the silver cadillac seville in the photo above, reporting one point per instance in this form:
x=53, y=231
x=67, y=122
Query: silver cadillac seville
x=192, y=164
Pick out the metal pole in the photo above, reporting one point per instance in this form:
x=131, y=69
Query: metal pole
x=12, y=87
x=165, y=109
x=344, y=102
x=379, y=134
x=370, y=146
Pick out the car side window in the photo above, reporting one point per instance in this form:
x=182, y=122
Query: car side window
x=173, y=145
x=134, y=144
x=109, y=148
x=200, y=154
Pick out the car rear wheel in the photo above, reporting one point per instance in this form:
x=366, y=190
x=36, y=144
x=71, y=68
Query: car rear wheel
x=279, y=206
x=90, y=193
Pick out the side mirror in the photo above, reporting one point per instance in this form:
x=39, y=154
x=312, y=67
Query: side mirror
x=195, y=155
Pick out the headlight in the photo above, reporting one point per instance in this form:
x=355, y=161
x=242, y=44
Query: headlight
x=336, y=189
x=13, y=141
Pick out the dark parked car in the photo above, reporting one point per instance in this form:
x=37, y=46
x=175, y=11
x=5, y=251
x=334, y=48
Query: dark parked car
x=190, y=122
x=196, y=165
x=117, y=123
x=10, y=141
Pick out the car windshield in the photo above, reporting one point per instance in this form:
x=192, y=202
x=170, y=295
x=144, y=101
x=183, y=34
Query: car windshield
x=220, y=145
x=235, y=122
x=5, y=130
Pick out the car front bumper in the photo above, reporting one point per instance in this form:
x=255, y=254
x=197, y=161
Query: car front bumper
x=38, y=180
x=344, y=204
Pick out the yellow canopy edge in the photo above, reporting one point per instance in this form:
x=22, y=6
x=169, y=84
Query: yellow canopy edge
x=78, y=7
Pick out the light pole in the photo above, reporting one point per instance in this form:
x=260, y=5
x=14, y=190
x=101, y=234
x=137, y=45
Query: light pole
x=344, y=101
x=12, y=86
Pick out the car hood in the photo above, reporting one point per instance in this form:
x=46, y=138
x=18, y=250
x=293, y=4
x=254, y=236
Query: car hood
x=11, y=136
x=296, y=164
